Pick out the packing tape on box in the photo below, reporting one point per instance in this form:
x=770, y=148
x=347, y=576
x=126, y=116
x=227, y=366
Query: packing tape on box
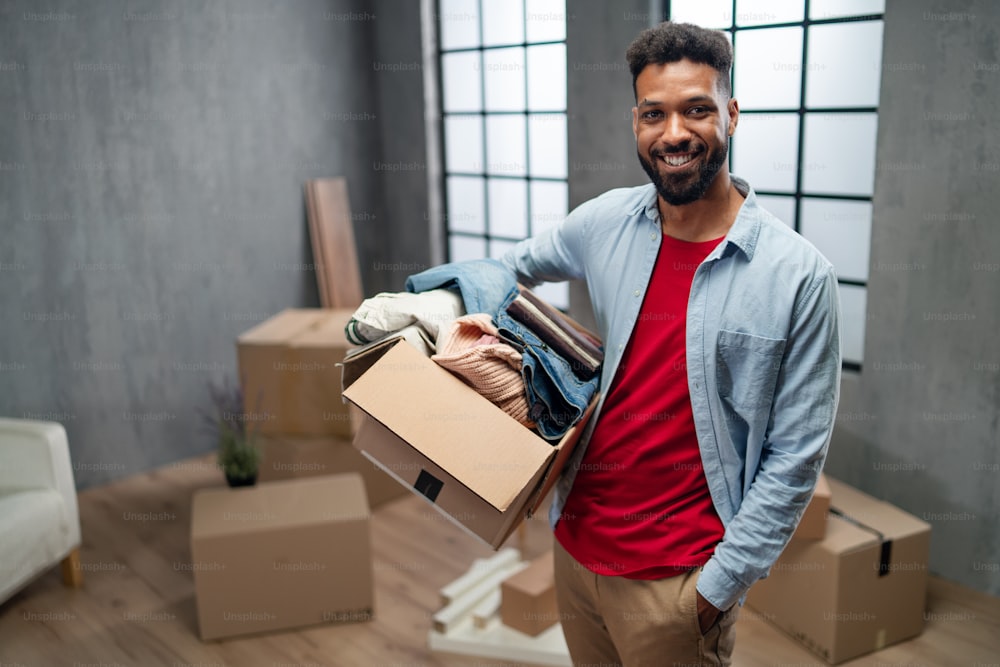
x=885, y=555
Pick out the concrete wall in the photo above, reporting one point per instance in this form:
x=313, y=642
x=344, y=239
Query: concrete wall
x=599, y=105
x=152, y=158
x=918, y=426
x=402, y=245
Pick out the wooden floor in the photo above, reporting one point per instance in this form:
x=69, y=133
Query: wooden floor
x=136, y=607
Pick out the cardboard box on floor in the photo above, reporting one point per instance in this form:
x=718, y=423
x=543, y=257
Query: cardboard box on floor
x=813, y=523
x=440, y=438
x=860, y=588
x=299, y=456
x=288, y=371
x=528, y=598
x=281, y=555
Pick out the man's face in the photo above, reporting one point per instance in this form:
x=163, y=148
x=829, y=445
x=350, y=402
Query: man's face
x=682, y=125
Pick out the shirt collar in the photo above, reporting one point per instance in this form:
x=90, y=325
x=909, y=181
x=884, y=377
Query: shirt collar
x=742, y=235
x=746, y=228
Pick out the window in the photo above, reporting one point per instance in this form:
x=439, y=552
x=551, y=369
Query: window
x=503, y=112
x=807, y=76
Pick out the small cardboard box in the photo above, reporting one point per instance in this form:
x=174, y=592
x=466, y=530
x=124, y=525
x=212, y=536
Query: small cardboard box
x=528, y=598
x=860, y=588
x=440, y=438
x=298, y=456
x=813, y=523
x=288, y=370
x=281, y=555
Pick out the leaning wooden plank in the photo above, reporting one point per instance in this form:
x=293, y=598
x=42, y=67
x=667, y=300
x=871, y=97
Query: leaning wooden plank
x=480, y=568
x=334, y=250
x=315, y=236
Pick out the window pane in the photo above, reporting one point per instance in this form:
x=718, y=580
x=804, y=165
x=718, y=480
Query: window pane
x=505, y=145
x=706, y=13
x=768, y=70
x=549, y=201
x=782, y=207
x=463, y=138
x=853, y=302
x=547, y=77
x=508, y=207
x=765, y=150
x=461, y=248
x=548, y=145
x=845, y=65
x=504, y=70
x=459, y=20
x=842, y=231
x=546, y=20
x=839, y=153
x=503, y=22
x=462, y=81
x=465, y=204
x=498, y=248
x=828, y=9
x=759, y=12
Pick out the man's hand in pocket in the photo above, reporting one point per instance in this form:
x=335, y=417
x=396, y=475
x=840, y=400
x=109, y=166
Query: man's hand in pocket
x=708, y=614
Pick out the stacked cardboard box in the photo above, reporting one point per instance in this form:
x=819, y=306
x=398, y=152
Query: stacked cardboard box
x=281, y=554
x=291, y=388
x=297, y=456
x=812, y=526
x=289, y=375
x=860, y=588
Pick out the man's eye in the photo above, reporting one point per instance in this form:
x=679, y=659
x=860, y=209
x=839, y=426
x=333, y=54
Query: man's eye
x=698, y=111
x=650, y=115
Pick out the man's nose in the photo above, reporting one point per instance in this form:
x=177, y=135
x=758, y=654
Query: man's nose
x=675, y=130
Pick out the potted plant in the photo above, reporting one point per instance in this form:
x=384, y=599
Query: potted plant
x=238, y=454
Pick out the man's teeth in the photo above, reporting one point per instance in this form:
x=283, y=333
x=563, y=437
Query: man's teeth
x=677, y=160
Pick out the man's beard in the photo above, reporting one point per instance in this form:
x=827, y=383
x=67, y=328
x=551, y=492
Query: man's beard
x=680, y=191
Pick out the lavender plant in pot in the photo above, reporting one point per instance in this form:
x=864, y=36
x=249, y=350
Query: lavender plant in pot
x=238, y=454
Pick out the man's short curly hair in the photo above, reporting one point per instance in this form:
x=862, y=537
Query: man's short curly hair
x=670, y=42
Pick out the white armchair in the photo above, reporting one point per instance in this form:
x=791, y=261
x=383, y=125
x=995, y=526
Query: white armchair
x=39, y=519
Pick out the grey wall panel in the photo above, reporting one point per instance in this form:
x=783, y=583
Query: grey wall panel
x=599, y=105
x=600, y=100
x=403, y=246
x=152, y=157
x=919, y=426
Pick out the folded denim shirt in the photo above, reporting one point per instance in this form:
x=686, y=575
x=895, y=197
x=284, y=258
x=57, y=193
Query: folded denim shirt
x=557, y=398
x=485, y=284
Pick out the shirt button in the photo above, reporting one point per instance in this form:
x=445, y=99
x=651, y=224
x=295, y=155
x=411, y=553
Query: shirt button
x=636, y=293
x=652, y=236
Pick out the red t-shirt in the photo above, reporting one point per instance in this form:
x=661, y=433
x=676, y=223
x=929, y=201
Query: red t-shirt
x=640, y=505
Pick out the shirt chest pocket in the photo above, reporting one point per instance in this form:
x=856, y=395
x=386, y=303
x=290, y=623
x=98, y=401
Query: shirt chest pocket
x=747, y=370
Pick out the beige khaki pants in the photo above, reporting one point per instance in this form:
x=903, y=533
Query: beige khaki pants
x=632, y=622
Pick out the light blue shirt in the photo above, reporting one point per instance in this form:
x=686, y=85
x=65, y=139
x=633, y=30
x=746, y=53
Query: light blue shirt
x=763, y=360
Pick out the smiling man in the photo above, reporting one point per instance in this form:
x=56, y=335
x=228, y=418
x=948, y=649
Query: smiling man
x=720, y=381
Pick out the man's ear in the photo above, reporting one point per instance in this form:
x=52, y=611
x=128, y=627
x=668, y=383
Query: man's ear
x=734, y=115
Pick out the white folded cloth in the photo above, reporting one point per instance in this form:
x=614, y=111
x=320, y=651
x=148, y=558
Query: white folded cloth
x=388, y=312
